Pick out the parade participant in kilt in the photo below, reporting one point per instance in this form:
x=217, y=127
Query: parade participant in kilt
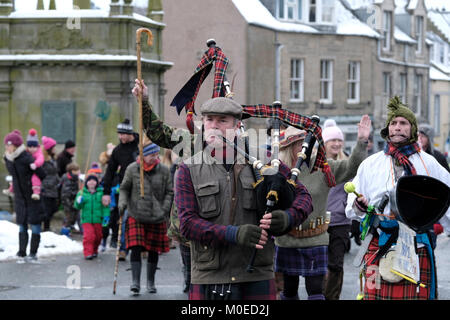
x=376, y=176
x=146, y=228
x=304, y=251
x=216, y=205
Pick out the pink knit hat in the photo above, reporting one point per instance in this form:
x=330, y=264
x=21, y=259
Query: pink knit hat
x=14, y=137
x=331, y=133
x=48, y=142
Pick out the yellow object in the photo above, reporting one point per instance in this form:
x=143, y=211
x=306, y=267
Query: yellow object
x=408, y=278
x=349, y=187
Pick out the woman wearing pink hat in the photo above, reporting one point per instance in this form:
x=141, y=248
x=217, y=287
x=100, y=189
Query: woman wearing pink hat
x=50, y=191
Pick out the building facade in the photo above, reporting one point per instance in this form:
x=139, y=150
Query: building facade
x=58, y=68
x=337, y=59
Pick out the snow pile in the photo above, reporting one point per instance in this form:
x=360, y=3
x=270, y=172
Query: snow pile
x=51, y=243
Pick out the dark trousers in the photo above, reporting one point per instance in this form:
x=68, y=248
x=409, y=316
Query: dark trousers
x=50, y=206
x=113, y=225
x=339, y=244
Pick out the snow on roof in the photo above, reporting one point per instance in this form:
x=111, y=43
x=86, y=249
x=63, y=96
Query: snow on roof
x=77, y=57
x=436, y=74
x=348, y=24
x=412, y=4
x=441, y=23
x=400, y=36
x=27, y=9
x=255, y=13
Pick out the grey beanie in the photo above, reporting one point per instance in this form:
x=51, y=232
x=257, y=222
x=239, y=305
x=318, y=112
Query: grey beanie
x=427, y=130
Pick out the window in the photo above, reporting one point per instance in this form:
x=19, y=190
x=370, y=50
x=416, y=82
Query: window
x=297, y=70
x=290, y=9
x=387, y=23
x=312, y=10
x=417, y=103
x=419, y=33
x=327, y=11
x=403, y=88
x=326, y=81
x=353, y=82
x=387, y=88
x=441, y=53
x=437, y=114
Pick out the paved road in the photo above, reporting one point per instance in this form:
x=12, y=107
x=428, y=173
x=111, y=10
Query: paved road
x=70, y=277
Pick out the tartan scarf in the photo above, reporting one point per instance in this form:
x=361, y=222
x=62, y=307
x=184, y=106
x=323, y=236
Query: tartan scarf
x=186, y=97
x=401, y=154
x=301, y=122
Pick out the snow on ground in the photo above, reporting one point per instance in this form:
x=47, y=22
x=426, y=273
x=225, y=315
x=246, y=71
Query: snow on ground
x=51, y=243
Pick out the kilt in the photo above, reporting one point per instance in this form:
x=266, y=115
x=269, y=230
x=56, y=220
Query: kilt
x=402, y=290
x=304, y=262
x=153, y=237
x=256, y=290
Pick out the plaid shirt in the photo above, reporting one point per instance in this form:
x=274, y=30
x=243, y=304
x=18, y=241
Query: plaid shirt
x=193, y=227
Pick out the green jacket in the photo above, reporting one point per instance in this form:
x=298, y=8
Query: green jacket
x=92, y=209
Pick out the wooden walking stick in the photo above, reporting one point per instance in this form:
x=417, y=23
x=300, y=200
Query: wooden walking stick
x=139, y=75
x=116, y=267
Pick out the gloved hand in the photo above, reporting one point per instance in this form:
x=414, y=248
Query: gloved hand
x=437, y=228
x=105, y=221
x=248, y=235
x=80, y=199
x=32, y=166
x=279, y=223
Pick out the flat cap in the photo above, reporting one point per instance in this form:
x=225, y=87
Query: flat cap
x=222, y=105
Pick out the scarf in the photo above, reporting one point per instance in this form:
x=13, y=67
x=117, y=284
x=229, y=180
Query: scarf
x=401, y=155
x=149, y=167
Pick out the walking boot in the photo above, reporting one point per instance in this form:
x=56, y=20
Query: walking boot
x=135, y=277
x=151, y=270
x=34, y=246
x=23, y=242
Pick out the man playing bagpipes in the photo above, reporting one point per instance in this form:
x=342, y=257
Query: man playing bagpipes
x=402, y=220
x=217, y=207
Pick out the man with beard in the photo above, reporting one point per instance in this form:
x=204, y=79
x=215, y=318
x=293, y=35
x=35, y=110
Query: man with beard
x=377, y=175
x=124, y=154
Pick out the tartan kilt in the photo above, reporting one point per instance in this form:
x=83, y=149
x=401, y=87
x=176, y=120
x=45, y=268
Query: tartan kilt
x=153, y=237
x=306, y=262
x=256, y=290
x=402, y=290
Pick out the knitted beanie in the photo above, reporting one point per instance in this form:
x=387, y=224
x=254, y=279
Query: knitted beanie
x=427, y=130
x=125, y=127
x=95, y=169
x=69, y=144
x=150, y=149
x=397, y=109
x=48, y=142
x=14, y=138
x=332, y=133
x=32, y=138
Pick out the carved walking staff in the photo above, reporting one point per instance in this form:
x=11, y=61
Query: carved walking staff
x=139, y=76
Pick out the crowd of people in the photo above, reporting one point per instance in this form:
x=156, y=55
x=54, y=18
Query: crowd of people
x=209, y=204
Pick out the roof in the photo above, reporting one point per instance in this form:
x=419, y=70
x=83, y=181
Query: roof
x=437, y=75
x=255, y=13
x=441, y=21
